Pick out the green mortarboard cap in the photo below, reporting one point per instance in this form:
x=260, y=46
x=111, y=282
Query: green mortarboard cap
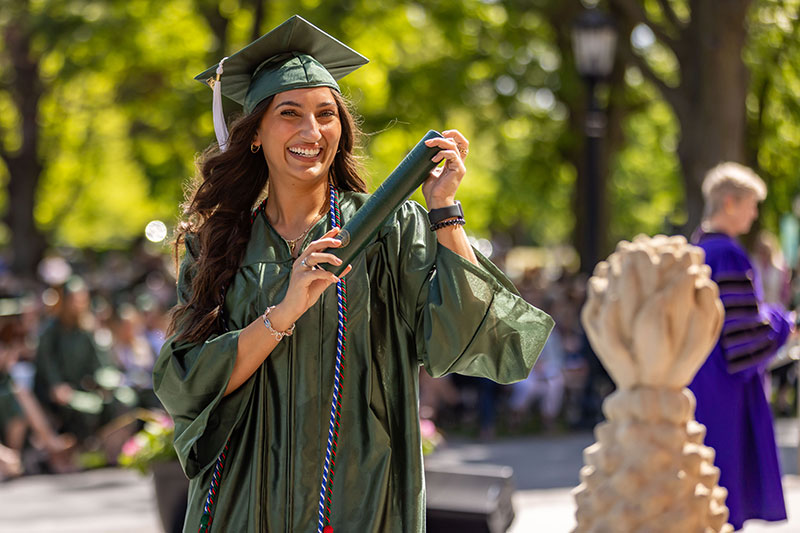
x=294, y=55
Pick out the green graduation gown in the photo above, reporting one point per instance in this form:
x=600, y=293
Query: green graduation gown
x=69, y=355
x=410, y=301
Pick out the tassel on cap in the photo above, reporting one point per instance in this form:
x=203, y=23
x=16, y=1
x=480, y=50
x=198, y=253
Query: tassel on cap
x=220, y=127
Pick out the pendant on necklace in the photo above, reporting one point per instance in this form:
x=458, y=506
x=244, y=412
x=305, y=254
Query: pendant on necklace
x=293, y=242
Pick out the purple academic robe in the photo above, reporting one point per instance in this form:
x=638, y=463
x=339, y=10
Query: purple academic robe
x=729, y=386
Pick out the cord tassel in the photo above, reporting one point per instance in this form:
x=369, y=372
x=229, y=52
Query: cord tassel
x=220, y=127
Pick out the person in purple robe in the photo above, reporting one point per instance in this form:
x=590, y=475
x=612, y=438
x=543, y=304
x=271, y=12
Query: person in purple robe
x=731, y=402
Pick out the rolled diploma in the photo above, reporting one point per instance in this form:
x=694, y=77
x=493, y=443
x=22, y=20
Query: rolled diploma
x=412, y=171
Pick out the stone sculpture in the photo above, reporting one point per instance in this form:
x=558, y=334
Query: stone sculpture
x=652, y=316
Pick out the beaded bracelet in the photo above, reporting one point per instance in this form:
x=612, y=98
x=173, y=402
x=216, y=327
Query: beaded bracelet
x=278, y=334
x=458, y=221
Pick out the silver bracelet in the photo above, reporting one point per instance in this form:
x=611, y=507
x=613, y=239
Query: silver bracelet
x=278, y=334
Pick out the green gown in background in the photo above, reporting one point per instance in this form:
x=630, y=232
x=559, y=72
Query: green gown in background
x=410, y=302
x=69, y=355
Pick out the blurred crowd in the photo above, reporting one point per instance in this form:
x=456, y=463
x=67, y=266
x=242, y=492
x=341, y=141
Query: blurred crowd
x=77, y=352
x=76, y=357
x=567, y=386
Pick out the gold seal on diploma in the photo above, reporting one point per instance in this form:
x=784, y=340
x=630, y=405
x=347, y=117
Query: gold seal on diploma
x=344, y=236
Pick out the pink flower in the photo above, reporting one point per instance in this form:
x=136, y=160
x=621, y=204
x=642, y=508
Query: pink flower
x=427, y=428
x=165, y=421
x=131, y=447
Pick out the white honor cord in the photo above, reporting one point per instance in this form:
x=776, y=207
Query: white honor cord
x=220, y=128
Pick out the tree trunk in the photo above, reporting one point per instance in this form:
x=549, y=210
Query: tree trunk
x=218, y=24
x=24, y=167
x=259, y=11
x=710, y=100
x=712, y=95
x=27, y=242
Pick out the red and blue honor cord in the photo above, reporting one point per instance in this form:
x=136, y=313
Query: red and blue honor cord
x=208, y=515
x=329, y=465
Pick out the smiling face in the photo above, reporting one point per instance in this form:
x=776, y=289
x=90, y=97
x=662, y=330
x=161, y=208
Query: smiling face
x=299, y=134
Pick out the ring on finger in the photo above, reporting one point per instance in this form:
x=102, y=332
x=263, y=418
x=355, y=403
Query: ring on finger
x=305, y=264
x=463, y=151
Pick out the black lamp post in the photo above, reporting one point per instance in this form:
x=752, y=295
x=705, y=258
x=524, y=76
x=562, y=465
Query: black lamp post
x=594, y=39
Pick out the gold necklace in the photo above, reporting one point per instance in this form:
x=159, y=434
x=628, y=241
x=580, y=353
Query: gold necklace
x=293, y=242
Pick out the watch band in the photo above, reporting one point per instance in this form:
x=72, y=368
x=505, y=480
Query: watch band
x=443, y=213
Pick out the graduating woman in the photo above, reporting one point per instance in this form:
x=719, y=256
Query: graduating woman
x=729, y=386
x=294, y=391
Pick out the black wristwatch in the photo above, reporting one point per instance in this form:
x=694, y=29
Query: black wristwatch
x=443, y=213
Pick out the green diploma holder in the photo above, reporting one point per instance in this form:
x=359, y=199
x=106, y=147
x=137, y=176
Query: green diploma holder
x=412, y=171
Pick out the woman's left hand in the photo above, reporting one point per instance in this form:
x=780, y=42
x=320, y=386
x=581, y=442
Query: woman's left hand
x=440, y=188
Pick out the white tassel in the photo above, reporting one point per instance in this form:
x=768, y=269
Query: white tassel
x=220, y=128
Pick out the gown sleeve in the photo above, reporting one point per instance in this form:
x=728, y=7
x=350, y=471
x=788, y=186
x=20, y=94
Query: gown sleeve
x=753, y=330
x=467, y=319
x=190, y=380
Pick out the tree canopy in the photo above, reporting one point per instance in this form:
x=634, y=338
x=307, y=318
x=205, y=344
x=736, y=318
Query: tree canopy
x=117, y=119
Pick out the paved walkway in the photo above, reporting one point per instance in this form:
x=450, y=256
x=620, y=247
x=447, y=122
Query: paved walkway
x=98, y=501
x=545, y=470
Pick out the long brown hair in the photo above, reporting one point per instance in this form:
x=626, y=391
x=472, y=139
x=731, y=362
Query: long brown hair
x=217, y=213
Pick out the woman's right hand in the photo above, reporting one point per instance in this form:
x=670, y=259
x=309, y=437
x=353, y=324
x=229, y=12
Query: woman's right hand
x=307, y=283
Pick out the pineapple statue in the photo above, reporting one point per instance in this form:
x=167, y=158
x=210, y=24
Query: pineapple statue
x=652, y=316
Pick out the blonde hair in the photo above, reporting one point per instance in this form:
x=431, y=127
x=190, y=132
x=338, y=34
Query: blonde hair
x=730, y=179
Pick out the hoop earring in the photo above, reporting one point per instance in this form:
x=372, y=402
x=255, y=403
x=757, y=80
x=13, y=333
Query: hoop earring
x=255, y=147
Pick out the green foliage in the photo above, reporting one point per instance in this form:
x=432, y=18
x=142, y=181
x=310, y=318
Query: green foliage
x=151, y=445
x=645, y=186
x=121, y=119
x=773, y=56
x=119, y=122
